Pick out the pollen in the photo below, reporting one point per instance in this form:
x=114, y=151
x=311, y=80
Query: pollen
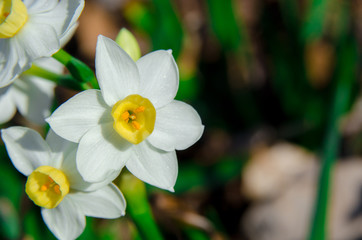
x=140, y=109
x=136, y=125
x=125, y=116
x=44, y=187
x=47, y=186
x=13, y=16
x=56, y=189
x=134, y=118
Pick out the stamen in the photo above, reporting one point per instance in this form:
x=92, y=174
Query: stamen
x=125, y=115
x=50, y=179
x=134, y=118
x=44, y=187
x=57, y=189
x=136, y=125
x=140, y=109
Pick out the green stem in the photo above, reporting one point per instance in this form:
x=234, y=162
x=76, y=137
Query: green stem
x=78, y=69
x=138, y=207
x=195, y=234
x=315, y=20
x=62, y=80
x=43, y=73
x=345, y=78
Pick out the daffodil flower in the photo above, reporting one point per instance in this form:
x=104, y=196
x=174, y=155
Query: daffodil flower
x=54, y=184
x=33, y=29
x=31, y=95
x=132, y=121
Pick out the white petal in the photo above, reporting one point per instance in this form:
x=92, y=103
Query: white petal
x=61, y=17
x=159, y=77
x=9, y=61
x=76, y=181
x=153, y=166
x=38, y=40
x=7, y=105
x=79, y=114
x=39, y=6
x=106, y=202
x=58, y=144
x=117, y=73
x=68, y=34
x=178, y=126
x=66, y=221
x=60, y=148
x=101, y=152
x=75, y=8
x=33, y=97
x=26, y=148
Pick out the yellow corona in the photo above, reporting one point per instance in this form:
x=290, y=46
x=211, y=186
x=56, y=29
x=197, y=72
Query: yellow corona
x=134, y=118
x=13, y=16
x=47, y=186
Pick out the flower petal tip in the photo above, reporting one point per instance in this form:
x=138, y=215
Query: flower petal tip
x=171, y=189
x=100, y=36
x=169, y=51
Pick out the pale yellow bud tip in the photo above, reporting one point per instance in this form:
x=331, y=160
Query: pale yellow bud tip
x=128, y=42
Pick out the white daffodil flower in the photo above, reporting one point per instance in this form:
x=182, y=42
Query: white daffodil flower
x=32, y=29
x=54, y=184
x=132, y=121
x=31, y=95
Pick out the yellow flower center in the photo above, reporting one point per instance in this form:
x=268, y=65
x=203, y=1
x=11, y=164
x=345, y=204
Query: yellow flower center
x=13, y=16
x=134, y=118
x=47, y=186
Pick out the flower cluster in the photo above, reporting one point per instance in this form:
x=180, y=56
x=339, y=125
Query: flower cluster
x=132, y=121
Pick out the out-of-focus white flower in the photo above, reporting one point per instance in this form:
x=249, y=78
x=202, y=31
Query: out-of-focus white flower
x=56, y=186
x=132, y=121
x=33, y=29
x=31, y=95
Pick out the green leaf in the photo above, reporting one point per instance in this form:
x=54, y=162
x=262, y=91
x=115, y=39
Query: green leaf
x=346, y=75
x=224, y=23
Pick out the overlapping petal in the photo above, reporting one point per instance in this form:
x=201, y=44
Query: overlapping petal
x=10, y=66
x=49, y=23
x=76, y=181
x=39, y=6
x=154, y=166
x=7, y=105
x=44, y=40
x=33, y=97
x=178, y=126
x=62, y=17
x=79, y=114
x=101, y=152
x=66, y=221
x=106, y=202
x=26, y=148
x=159, y=77
x=60, y=149
x=117, y=73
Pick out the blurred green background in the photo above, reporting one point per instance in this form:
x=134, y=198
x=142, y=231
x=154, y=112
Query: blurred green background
x=277, y=86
